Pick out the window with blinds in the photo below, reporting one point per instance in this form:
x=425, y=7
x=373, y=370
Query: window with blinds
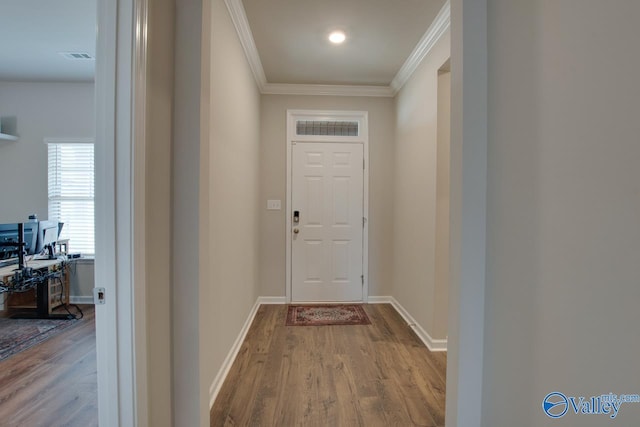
x=71, y=193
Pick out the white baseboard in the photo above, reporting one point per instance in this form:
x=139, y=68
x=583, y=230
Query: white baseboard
x=231, y=356
x=379, y=299
x=272, y=300
x=431, y=343
x=81, y=300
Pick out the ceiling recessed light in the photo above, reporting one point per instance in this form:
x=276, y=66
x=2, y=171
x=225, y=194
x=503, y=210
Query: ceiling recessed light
x=337, y=37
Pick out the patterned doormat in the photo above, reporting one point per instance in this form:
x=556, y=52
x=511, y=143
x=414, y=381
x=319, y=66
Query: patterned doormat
x=320, y=315
x=17, y=335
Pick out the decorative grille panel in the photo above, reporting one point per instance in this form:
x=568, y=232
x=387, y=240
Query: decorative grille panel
x=331, y=128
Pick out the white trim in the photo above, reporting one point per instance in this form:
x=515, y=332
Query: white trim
x=239, y=18
x=105, y=274
x=125, y=215
x=80, y=300
x=376, y=299
x=216, y=385
x=7, y=137
x=438, y=27
x=431, y=343
x=332, y=90
x=137, y=214
x=123, y=211
x=120, y=323
x=272, y=300
x=69, y=140
x=363, y=137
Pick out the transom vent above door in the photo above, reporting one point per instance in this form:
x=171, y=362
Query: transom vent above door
x=332, y=128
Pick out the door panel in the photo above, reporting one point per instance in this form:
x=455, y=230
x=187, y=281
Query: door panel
x=327, y=191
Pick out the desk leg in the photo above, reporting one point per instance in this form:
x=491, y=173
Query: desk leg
x=67, y=284
x=42, y=299
x=42, y=305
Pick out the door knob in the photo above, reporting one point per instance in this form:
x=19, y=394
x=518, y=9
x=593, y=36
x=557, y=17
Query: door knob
x=296, y=231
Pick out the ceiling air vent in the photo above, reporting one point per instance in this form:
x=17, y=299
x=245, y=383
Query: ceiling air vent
x=76, y=55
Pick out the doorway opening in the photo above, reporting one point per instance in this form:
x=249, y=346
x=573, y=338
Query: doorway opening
x=327, y=206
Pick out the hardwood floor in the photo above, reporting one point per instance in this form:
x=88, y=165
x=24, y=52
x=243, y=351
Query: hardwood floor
x=375, y=375
x=53, y=383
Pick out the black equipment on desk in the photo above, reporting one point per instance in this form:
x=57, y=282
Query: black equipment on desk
x=38, y=237
x=10, y=239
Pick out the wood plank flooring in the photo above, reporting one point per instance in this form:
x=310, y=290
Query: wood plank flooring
x=53, y=383
x=375, y=375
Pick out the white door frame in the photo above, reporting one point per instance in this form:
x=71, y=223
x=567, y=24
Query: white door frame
x=362, y=117
x=121, y=341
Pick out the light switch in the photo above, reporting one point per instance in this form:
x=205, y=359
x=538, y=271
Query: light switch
x=273, y=205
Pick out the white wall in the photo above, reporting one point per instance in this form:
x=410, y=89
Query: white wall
x=41, y=110
x=415, y=197
x=563, y=263
x=273, y=185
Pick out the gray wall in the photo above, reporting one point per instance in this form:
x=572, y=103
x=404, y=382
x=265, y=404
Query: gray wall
x=41, y=110
x=415, y=196
x=159, y=109
x=188, y=391
x=233, y=192
x=563, y=224
x=81, y=280
x=443, y=206
x=215, y=188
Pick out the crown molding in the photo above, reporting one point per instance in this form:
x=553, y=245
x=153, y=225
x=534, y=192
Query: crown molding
x=240, y=21
x=438, y=27
x=335, y=90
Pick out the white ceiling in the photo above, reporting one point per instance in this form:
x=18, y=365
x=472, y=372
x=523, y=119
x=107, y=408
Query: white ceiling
x=33, y=32
x=290, y=37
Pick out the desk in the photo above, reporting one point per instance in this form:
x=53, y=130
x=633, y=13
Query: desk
x=47, y=293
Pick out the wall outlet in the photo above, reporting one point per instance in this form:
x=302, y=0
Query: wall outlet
x=274, y=205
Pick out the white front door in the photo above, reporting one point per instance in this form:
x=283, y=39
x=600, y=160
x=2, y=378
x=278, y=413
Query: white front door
x=327, y=225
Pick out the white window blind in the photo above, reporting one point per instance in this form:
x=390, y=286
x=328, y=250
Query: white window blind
x=71, y=193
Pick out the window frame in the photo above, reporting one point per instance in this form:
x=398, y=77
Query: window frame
x=70, y=141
